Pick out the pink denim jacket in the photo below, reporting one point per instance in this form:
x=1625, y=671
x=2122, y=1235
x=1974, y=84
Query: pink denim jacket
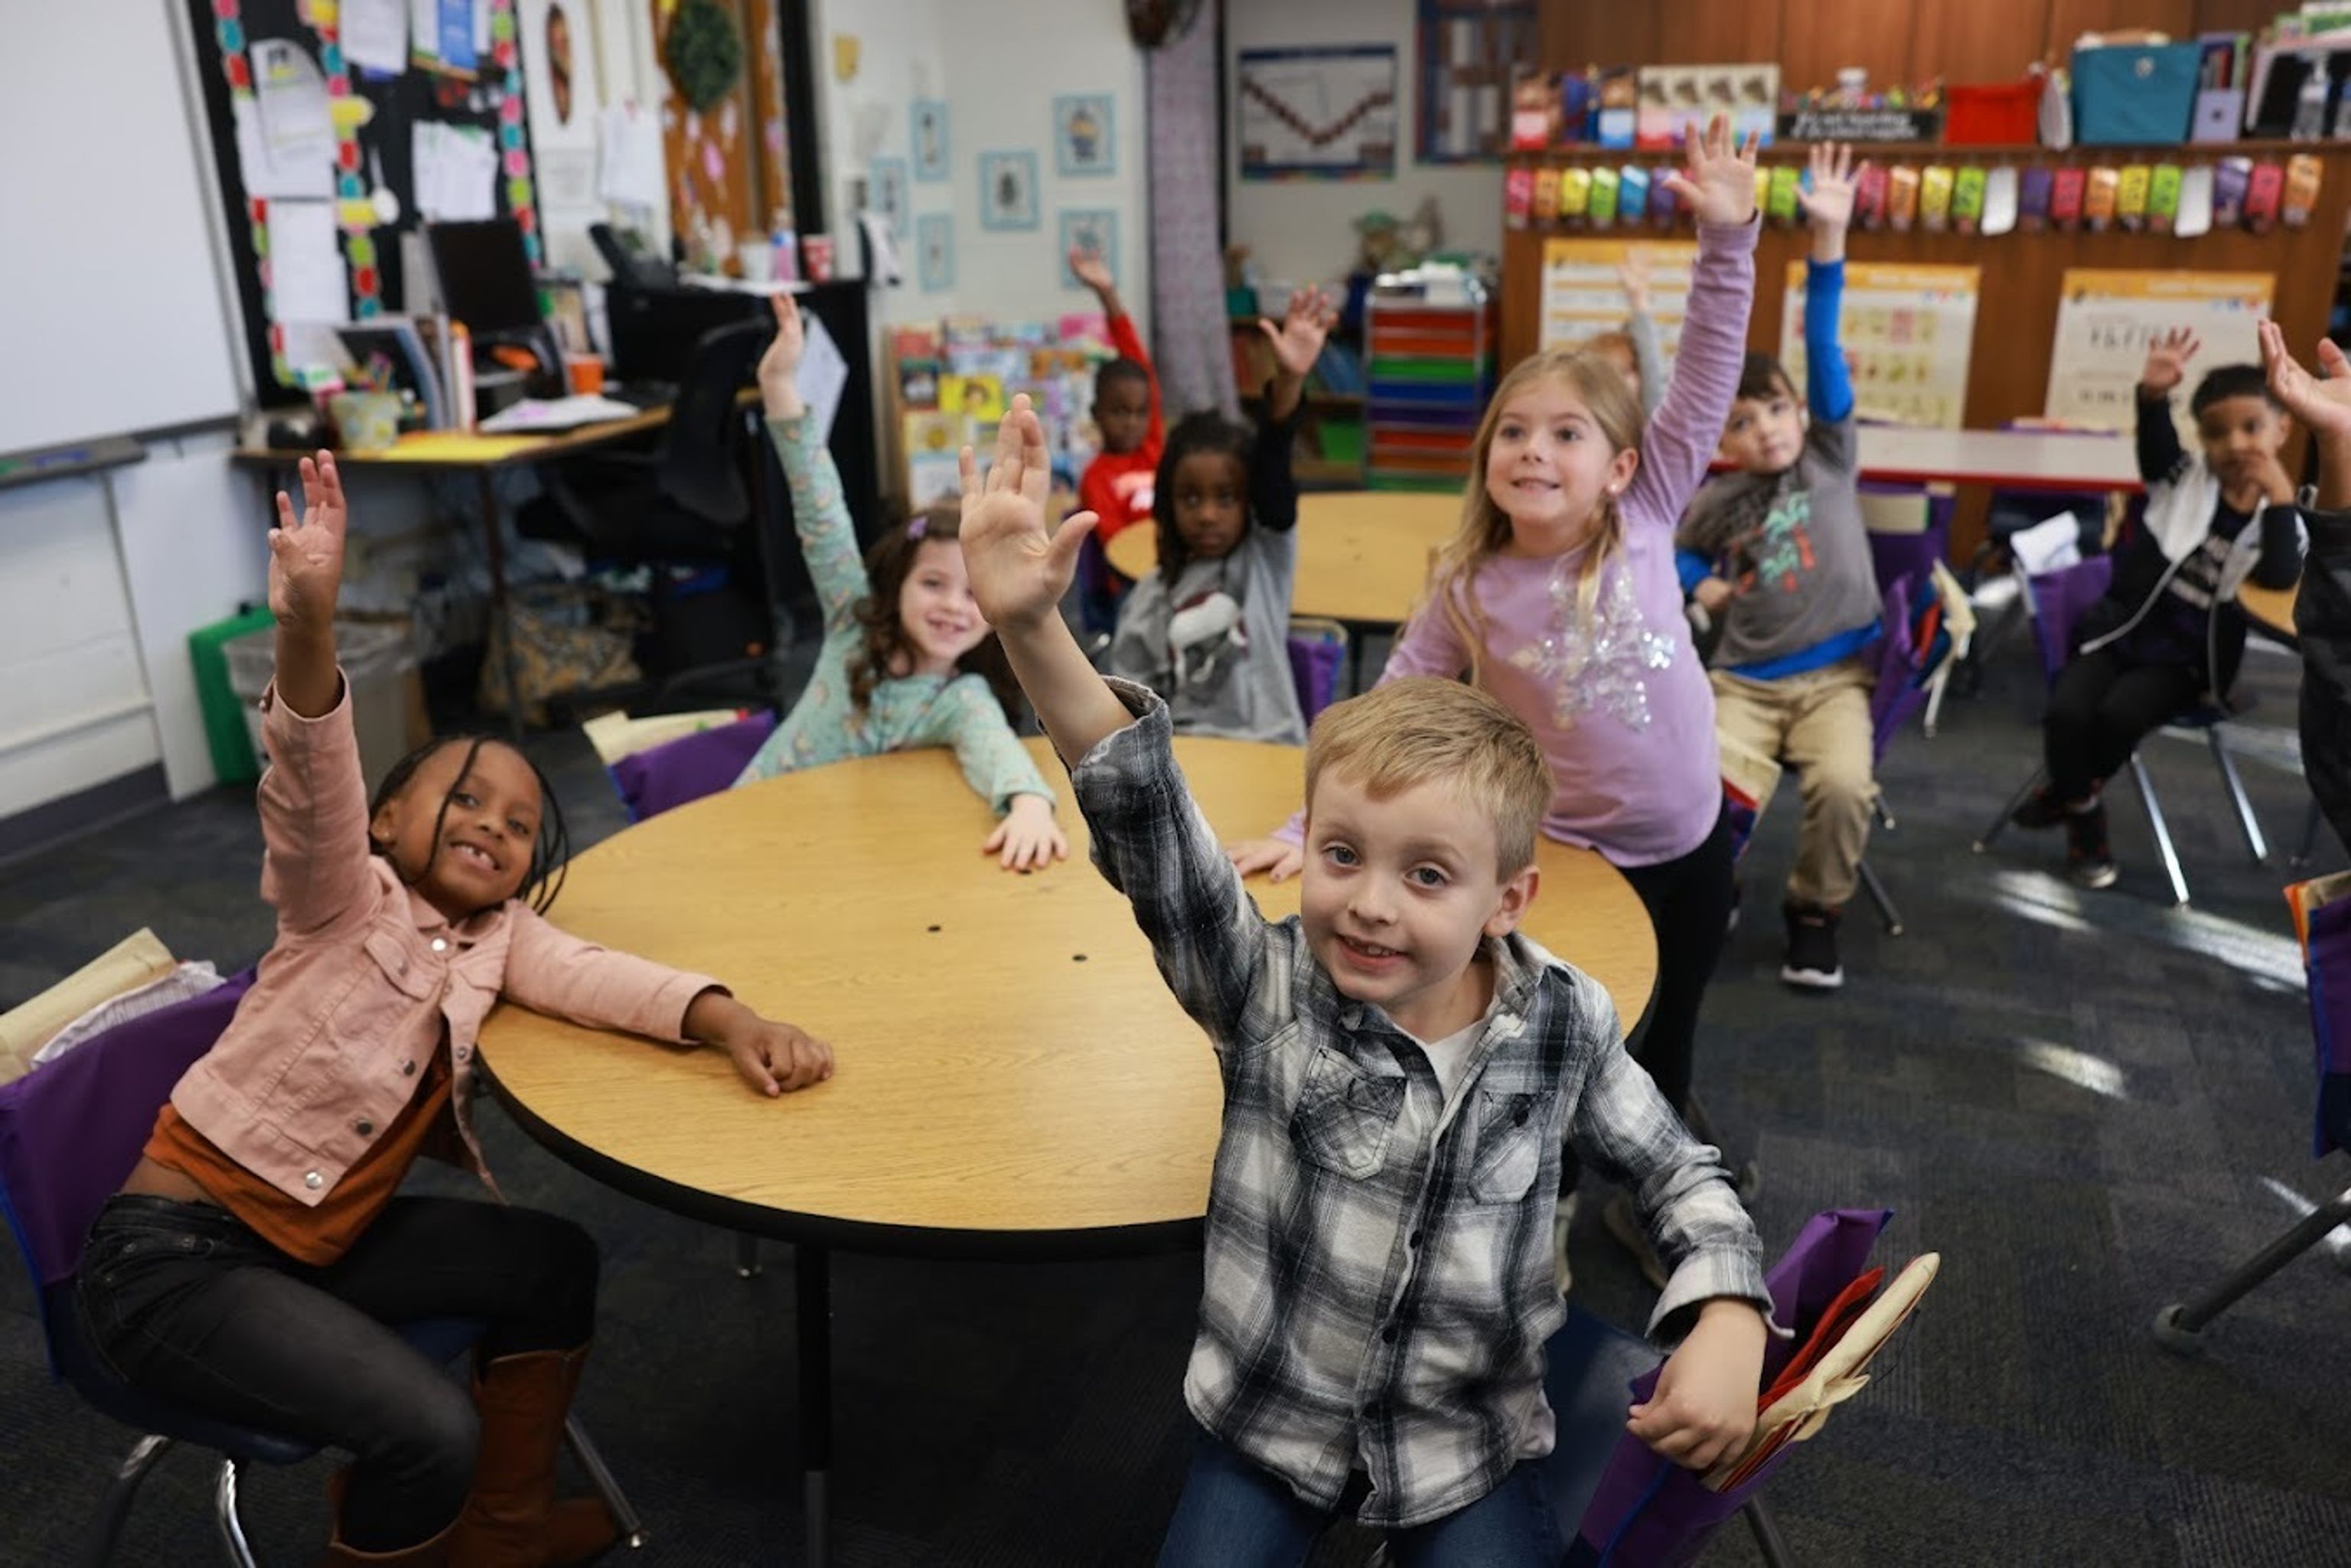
x=352, y=997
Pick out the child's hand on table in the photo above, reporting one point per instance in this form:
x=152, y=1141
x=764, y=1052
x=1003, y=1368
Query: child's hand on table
x=1703, y=1410
x=773, y=1057
x=1718, y=180
x=1027, y=838
x=1279, y=858
x=779, y=367
x=1019, y=568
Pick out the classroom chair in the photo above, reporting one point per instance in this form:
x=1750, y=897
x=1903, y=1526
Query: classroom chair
x=2059, y=599
x=70, y=1131
x=1901, y=689
x=1620, y=1505
x=2326, y=930
x=1318, y=653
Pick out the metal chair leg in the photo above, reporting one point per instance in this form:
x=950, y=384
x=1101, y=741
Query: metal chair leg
x=632, y=1529
x=2237, y=797
x=1766, y=1531
x=1999, y=823
x=1879, y=897
x=232, y=1527
x=2162, y=832
x=1883, y=812
x=747, y=1255
x=2179, y=1327
x=2311, y=822
x=1748, y=1178
x=122, y=1489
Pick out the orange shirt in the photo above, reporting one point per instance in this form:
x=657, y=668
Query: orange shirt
x=315, y=1235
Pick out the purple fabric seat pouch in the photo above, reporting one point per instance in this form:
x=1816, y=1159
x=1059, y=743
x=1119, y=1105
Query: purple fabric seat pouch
x=687, y=768
x=1650, y=1512
x=2329, y=962
x=2059, y=599
x=1314, y=664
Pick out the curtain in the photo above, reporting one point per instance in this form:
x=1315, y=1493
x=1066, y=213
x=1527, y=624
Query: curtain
x=1194, y=348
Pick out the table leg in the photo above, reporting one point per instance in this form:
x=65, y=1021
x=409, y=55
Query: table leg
x=812, y=1284
x=501, y=616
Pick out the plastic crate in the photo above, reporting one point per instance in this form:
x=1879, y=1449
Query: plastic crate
x=380, y=662
x=232, y=748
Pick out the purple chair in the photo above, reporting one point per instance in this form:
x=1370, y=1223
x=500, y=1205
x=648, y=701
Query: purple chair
x=654, y=780
x=70, y=1132
x=2059, y=600
x=1617, y=1502
x=1318, y=652
x=1899, y=692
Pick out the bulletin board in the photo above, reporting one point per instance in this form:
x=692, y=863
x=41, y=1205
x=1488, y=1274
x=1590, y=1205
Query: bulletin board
x=1581, y=297
x=1907, y=331
x=468, y=76
x=2106, y=318
x=1317, y=113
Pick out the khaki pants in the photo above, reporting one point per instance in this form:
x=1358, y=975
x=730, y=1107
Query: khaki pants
x=1818, y=724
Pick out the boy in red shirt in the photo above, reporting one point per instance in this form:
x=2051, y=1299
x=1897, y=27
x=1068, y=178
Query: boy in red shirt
x=1117, y=484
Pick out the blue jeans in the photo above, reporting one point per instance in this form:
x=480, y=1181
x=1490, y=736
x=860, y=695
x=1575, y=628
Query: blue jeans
x=182, y=1302
x=1234, y=1515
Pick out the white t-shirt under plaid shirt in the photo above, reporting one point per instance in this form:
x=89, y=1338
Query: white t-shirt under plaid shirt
x=1378, y=1282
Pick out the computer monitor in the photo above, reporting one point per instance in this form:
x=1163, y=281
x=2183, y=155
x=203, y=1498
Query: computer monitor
x=485, y=275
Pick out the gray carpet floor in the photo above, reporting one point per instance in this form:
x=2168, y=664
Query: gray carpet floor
x=2089, y=1104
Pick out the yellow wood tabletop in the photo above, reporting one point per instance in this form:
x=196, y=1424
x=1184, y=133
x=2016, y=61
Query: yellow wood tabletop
x=1009, y=1063
x=1362, y=555
x=2270, y=608
x=471, y=449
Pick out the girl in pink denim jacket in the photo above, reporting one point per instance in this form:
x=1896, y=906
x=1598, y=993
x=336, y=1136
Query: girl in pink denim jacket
x=250, y=1265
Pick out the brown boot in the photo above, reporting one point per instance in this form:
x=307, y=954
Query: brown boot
x=432, y=1553
x=512, y=1520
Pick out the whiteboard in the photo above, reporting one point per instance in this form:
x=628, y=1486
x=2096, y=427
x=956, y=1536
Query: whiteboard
x=111, y=311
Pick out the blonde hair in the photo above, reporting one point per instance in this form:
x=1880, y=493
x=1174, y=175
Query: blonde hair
x=1424, y=729
x=1486, y=528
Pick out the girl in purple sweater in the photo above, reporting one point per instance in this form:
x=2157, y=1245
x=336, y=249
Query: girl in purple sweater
x=1560, y=596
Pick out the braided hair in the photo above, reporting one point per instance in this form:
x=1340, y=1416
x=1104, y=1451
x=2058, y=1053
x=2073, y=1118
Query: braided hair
x=550, y=853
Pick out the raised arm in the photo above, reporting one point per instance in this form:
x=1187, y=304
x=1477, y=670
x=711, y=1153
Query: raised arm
x=819, y=516
x=1828, y=206
x=1720, y=190
x=2159, y=451
x=1092, y=271
x=1641, y=329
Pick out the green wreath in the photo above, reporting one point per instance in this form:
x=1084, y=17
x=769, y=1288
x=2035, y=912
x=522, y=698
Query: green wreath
x=704, y=52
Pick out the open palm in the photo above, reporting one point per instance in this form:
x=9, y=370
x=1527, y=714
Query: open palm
x=1019, y=569
x=305, y=555
x=2167, y=360
x=2323, y=403
x=1298, y=341
x=1718, y=180
x=1829, y=202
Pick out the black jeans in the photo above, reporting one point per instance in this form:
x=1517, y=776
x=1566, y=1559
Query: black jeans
x=184, y=1303
x=1689, y=900
x=2102, y=707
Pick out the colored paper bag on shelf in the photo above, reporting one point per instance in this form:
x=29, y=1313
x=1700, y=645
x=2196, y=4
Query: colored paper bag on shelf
x=2163, y=199
x=1780, y=197
x=2232, y=178
x=1967, y=198
x=1935, y=198
x=2303, y=176
x=1999, y=201
x=1517, y=197
x=2100, y=195
x=2262, y=194
x=1901, y=199
x=1665, y=207
x=2066, y=192
x=2131, y=196
x=1574, y=193
x=1603, y=197
x=2035, y=188
x=1869, y=197
x=2195, y=217
x=1546, y=197
x=1632, y=193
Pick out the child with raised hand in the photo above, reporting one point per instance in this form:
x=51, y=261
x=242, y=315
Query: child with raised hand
x=2169, y=633
x=1210, y=628
x=1116, y=485
x=1633, y=349
x=907, y=659
x=1778, y=555
x=1399, y=1067
x=248, y=1267
x=1560, y=596
x=2322, y=611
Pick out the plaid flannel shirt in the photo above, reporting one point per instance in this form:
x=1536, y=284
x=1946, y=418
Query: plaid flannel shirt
x=1378, y=1282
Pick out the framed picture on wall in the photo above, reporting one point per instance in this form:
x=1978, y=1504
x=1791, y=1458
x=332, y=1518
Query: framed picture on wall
x=1089, y=232
x=1085, y=140
x=885, y=194
x=1008, y=190
x=931, y=148
x=935, y=250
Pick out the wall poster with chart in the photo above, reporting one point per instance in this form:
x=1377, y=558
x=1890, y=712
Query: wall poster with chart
x=1908, y=332
x=1581, y=297
x=1317, y=113
x=2106, y=318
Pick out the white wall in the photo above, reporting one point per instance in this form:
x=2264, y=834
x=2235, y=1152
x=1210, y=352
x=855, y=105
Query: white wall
x=999, y=66
x=1301, y=231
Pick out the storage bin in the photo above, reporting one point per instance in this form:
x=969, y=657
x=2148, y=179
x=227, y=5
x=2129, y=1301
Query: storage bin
x=380, y=662
x=2130, y=95
x=1993, y=114
x=226, y=736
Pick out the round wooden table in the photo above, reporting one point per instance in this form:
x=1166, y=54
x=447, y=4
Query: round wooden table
x=2270, y=608
x=1362, y=555
x=1014, y=1078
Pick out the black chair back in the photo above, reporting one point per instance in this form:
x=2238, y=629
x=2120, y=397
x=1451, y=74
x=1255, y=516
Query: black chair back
x=702, y=460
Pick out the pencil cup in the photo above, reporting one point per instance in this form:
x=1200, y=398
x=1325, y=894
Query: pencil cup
x=365, y=421
x=585, y=373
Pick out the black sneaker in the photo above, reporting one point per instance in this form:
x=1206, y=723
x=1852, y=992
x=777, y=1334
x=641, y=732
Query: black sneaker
x=1811, y=947
x=2043, y=808
x=2089, y=859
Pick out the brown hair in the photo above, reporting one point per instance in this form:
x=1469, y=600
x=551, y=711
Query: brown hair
x=1486, y=528
x=1424, y=729
x=885, y=642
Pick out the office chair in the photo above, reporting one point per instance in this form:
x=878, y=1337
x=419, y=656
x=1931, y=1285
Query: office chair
x=70, y=1131
x=2059, y=600
x=690, y=503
